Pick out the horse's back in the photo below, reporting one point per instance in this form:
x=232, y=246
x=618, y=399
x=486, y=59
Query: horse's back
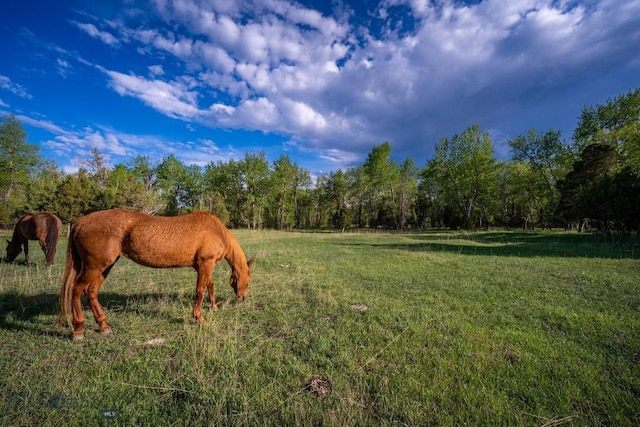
x=153, y=241
x=27, y=226
x=174, y=241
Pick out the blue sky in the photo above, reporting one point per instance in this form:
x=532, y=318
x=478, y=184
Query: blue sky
x=320, y=81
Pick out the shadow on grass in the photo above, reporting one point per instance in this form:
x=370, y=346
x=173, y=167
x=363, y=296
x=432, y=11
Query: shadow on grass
x=520, y=244
x=20, y=312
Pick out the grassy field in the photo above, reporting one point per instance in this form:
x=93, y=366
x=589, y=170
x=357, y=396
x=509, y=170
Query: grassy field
x=437, y=328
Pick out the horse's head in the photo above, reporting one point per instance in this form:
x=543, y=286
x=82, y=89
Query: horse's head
x=240, y=281
x=13, y=251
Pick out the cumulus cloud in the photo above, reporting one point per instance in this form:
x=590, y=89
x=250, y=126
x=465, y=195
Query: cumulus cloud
x=155, y=70
x=417, y=70
x=175, y=98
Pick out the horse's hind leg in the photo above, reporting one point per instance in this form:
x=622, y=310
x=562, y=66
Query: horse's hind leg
x=92, y=295
x=89, y=282
x=43, y=246
x=76, y=310
x=25, y=245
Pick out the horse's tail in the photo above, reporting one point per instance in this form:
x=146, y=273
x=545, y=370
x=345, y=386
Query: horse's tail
x=71, y=271
x=51, y=241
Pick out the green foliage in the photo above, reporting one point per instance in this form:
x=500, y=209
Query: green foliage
x=143, y=172
x=624, y=200
x=42, y=187
x=521, y=191
x=381, y=175
x=125, y=190
x=178, y=186
x=547, y=183
x=404, y=208
x=227, y=179
x=431, y=204
x=75, y=196
x=550, y=159
x=582, y=195
x=468, y=173
x=255, y=169
x=615, y=123
x=384, y=191
x=336, y=193
x=18, y=160
x=214, y=203
x=287, y=182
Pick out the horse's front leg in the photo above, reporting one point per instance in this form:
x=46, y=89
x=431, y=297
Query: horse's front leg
x=212, y=296
x=204, y=278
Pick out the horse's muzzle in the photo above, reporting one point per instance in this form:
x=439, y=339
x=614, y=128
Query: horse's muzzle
x=240, y=298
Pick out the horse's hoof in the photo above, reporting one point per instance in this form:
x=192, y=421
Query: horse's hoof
x=106, y=331
x=77, y=337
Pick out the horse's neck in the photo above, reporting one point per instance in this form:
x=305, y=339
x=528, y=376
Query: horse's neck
x=16, y=239
x=234, y=256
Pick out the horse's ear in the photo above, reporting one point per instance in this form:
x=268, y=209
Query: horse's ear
x=250, y=262
x=8, y=241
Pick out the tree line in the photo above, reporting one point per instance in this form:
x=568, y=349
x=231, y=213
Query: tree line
x=592, y=180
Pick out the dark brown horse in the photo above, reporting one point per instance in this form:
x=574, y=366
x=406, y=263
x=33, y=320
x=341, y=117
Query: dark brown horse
x=43, y=227
x=97, y=240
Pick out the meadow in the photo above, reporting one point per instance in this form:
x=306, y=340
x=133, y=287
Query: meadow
x=340, y=329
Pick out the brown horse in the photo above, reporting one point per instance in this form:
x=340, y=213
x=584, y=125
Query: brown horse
x=43, y=227
x=97, y=240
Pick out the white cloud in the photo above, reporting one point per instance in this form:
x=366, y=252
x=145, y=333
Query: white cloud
x=63, y=67
x=258, y=113
x=15, y=88
x=42, y=124
x=104, y=36
x=75, y=146
x=215, y=58
x=302, y=116
x=155, y=70
x=175, y=99
x=278, y=66
x=341, y=158
x=182, y=47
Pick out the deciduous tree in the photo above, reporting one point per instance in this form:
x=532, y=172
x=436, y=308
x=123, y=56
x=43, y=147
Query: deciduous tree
x=616, y=123
x=18, y=160
x=467, y=170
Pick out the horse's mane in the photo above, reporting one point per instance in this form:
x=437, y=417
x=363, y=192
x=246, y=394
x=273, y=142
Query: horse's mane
x=16, y=237
x=234, y=255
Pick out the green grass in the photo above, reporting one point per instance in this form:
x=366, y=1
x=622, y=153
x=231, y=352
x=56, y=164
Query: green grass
x=436, y=328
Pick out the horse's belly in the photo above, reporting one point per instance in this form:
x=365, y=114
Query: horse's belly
x=157, y=262
x=165, y=256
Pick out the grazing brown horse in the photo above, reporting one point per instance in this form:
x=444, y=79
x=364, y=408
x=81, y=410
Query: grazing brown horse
x=97, y=240
x=43, y=227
